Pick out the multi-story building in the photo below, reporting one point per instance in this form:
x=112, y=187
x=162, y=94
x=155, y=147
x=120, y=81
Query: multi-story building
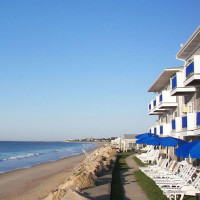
x=190, y=54
x=164, y=104
x=177, y=101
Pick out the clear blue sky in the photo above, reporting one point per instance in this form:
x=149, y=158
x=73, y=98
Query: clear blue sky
x=75, y=69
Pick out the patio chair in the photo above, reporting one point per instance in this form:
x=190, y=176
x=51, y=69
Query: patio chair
x=157, y=169
x=149, y=167
x=188, y=190
x=164, y=172
x=185, y=179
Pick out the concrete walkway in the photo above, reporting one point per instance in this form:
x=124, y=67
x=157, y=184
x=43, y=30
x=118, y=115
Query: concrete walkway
x=132, y=190
x=102, y=189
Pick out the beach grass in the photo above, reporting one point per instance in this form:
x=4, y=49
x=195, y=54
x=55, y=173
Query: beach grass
x=116, y=186
x=79, y=173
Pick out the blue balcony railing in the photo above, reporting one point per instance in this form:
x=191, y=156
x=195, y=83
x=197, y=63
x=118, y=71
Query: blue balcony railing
x=173, y=124
x=154, y=103
x=198, y=119
x=174, y=83
x=184, y=122
x=160, y=98
x=161, y=130
x=155, y=132
x=190, y=69
x=149, y=106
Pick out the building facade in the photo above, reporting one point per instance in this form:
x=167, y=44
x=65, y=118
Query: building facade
x=177, y=100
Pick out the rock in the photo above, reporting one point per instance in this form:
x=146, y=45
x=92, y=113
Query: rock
x=72, y=195
x=85, y=180
x=85, y=175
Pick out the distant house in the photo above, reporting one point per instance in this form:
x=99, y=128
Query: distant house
x=129, y=142
x=117, y=143
x=113, y=138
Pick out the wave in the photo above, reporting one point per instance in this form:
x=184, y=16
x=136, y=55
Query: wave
x=70, y=152
x=21, y=156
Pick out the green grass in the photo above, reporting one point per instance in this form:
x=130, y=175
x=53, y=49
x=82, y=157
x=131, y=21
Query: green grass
x=189, y=198
x=121, y=160
x=139, y=162
x=79, y=173
x=116, y=187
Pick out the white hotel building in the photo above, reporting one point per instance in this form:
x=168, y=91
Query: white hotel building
x=177, y=100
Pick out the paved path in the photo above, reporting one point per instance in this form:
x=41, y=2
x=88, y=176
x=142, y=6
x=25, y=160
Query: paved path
x=132, y=190
x=102, y=189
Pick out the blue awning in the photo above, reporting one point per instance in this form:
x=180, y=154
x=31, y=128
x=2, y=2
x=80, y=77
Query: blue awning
x=142, y=136
x=155, y=140
x=171, y=142
x=144, y=140
x=192, y=149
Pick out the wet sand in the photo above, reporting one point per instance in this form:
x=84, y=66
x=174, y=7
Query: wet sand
x=37, y=182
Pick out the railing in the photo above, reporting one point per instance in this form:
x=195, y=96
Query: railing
x=155, y=132
x=160, y=98
x=190, y=69
x=173, y=124
x=149, y=106
x=184, y=122
x=154, y=103
x=161, y=129
x=198, y=119
x=174, y=83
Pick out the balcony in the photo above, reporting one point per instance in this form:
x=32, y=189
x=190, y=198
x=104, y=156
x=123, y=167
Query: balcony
x=166, y=101
x=176, y=126
x=178, y=87
x=185, y=126
x=152, y=129
x=188, y=125
x=153, y=107
x=189, y=122
x=192, y=72
x=165, y=129
x=163, y=102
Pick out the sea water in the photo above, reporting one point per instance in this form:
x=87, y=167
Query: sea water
x=17, y=155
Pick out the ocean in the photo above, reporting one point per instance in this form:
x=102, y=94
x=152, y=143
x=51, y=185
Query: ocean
x=18, y=155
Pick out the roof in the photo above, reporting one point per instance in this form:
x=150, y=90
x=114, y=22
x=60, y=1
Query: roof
x=129, y=136
x=190, y=46
x=164, y=79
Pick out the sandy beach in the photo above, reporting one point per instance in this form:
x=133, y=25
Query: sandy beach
x=38, y=181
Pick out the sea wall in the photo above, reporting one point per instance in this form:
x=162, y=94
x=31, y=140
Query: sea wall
x=85, y=174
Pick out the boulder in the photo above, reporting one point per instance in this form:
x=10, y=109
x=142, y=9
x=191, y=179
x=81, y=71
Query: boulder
x=85, y=180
